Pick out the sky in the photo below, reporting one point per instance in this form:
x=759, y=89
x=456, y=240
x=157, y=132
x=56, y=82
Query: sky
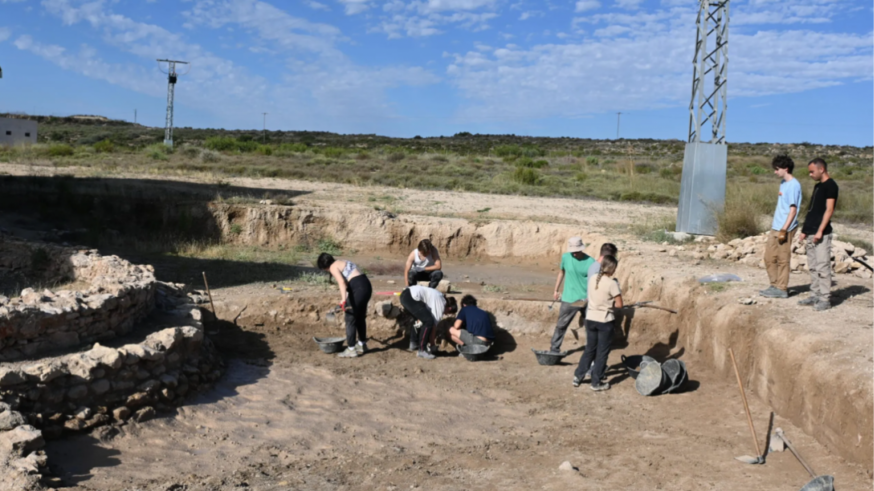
x=798, y=71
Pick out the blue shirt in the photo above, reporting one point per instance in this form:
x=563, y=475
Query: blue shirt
x=790, y=195
x=476, y=321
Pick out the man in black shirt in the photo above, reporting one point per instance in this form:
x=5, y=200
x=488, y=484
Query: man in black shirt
x=816, y=234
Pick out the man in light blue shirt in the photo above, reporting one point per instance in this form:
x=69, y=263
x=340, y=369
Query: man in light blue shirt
x=778, y=250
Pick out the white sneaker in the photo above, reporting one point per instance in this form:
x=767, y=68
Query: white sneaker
x=349, y=353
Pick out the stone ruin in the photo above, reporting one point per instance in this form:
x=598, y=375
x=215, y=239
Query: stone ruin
x=123, y=345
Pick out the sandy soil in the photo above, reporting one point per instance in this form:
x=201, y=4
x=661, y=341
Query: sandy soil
x=287, y=416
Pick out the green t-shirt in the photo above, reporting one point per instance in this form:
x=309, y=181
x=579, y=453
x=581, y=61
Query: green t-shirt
x=576, y=277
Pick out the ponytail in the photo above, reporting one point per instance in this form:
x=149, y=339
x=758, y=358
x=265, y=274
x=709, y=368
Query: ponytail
x=597, y=281
x=608, y=267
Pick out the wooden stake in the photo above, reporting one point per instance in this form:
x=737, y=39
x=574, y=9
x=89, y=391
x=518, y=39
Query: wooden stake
x=746, y=406
x=208, y=293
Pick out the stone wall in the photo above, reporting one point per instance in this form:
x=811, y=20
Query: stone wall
x=115, y=294
x=53, y=396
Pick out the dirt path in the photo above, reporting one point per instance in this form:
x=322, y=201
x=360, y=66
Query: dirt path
x=391, y=421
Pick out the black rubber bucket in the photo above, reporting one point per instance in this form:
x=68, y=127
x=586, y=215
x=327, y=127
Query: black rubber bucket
x=473, y=352
x=651, y=380
x=676, y=372
x=549, y=357
x=330, y=345
x=633, y=363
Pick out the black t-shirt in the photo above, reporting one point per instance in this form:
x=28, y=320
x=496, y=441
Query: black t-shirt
x=816, y=210
x=476, y=321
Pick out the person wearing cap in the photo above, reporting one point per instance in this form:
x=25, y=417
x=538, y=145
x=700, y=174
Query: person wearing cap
x=574, y=274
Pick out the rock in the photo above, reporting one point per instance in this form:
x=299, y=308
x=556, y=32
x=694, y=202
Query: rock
x=22, y=440
x=10, y=420
x=137, y=399
x=859, y=252
x=83, y=413
x=75, y=424
x=169, y=380
x=672, y=253
x=680, y=236
x=391, y=282
x=30, y=464
x=77, y=392
x=567, y=466
x=661, y=249
x=747, y=301
x=45, y=372
x=10, y=376
x=843, y=246
x=681, y=248
x=100, y=386
x=698, y=256
x=842, y=267
x=144, y=414
x=444, y=286
x=121, y=413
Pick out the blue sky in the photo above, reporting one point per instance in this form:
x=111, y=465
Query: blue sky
x=798, y=71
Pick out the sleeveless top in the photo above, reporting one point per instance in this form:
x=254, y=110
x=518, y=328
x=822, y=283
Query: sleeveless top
x=420, y=263
x=348, y=269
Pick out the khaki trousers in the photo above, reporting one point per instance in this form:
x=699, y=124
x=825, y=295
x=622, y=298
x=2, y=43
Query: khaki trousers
x=820, y=264
x=777, y=258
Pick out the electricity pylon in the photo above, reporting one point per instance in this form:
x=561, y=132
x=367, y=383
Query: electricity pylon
x=171, y=83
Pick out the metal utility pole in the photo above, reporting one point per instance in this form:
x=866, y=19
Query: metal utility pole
x=264, y=130
x=702, y=189
x=618, y=115
x=135, y=116
x=171, y=83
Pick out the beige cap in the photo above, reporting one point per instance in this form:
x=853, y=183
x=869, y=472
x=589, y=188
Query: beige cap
x=575, y=244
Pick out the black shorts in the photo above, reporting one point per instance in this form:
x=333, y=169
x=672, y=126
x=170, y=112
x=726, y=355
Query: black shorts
x=468, y=338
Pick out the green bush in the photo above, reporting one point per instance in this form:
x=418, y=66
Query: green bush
x=757, y=170
x=508, y=151
x=208, y=156
x=581, y=176
x=526, y=175
x=330, y=246
x=532, y=164
x=60, y=150
x=592, y=160
x=157, y=151
x=104, y=146
x=395, y=156
x=190, y=151
x=292, y=148
x=230, y=144
x=265, y=150
x=737, y=220
x=333, y=152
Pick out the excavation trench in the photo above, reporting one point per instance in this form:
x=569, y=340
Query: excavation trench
x=794, y=372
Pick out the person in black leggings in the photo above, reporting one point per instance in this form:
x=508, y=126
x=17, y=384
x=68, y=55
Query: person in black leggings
x=355, y=293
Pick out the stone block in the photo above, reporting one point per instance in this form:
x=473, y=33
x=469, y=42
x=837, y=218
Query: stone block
x=11, y=376
x=121, y=413
x=10, y=420
x=144, y=414
x=22, y=440
x=100, y=387
x=77, y=392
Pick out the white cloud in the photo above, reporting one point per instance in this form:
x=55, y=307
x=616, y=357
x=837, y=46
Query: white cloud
x=531, y=13
x=585, y=5
x=642, y=61
x=5, y=32
x=353, y=7
x=629, y=4
x=319, y=81
x=421, y=18
x=316, y=5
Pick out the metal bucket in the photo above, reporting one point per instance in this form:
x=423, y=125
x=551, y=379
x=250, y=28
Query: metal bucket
x=820, y=483
x=549, y=357
x=330, y=345
x=473, y=352
x=651, y=380
x=676, y=373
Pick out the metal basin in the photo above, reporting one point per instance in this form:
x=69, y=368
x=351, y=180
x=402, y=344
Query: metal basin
x=821, y=483
x=549, y=357
x=635, y=363
x=330, y=345
x=473, y=352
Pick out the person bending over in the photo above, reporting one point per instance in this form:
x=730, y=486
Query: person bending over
x=472, y=325
x=604, y=297
x=355, y=292
x=424, y=264
x=427, y=306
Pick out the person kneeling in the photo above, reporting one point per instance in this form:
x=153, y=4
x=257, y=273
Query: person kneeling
x=472, y=325
x=427, y=306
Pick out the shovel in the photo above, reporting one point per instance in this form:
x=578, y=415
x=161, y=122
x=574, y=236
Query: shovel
x=648, y=306
x=819, y=483
x=758, y=459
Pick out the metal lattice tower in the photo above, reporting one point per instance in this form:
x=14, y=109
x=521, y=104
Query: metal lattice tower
x=709, y=105
x=171, y=84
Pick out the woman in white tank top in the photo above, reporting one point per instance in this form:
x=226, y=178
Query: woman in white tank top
x=424, y=264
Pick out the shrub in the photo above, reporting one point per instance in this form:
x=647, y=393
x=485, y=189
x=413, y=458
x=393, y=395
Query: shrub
x=526, y=175
x=592, y=160
x=737, y=220
x=292, y=148
x=230, y=144
x=757, y=170
x=581, y=176
x=508, y=151
x=540, y=163
x=333, y=152
x=328, y=245
x=190, y=151
x=395, y=156
x=104, y=146
x=265, y=150
x=60, y=150
x=157, y=151
x=236, y=229
x=208, y=156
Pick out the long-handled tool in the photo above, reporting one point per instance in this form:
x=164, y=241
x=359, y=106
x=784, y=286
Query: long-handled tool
x=863, y=263
x=819, y=483
x=758, y=459
x=649, y=306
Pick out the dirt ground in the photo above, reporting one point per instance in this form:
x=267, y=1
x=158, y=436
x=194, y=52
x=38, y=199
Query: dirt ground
x=286, y=416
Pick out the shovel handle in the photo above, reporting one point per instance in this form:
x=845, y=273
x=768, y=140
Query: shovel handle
x=743, y=396
x=781, y=436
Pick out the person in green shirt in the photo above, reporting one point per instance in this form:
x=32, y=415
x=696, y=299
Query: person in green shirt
x=575, y=274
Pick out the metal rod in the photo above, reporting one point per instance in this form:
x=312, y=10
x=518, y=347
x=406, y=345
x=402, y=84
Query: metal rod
x=209, y=294
x=795, y=452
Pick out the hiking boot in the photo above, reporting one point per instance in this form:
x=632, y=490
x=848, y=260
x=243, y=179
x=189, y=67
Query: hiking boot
x=811, y=300
x=600, y=387
x=361, y=348
x=425, y=355
x=768, y=291
x=774, y=292
x=821, y=305
x=349, y=353
x=577, y=381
